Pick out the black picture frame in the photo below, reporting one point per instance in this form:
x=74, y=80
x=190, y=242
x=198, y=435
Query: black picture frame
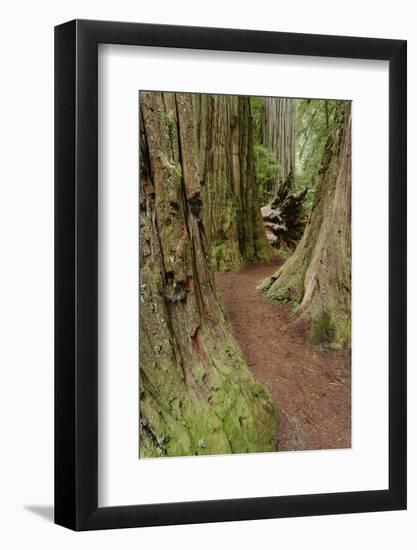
x=76, y=272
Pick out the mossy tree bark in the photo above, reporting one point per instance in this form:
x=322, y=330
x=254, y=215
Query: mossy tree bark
x=317, y=278
x=231, y=208
x=197, y=395
x=278, y=135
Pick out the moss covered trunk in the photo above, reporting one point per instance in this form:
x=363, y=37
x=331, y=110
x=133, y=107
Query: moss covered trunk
x=317, y=278
x=230, y=203
x=278, y=136
x=197, y=395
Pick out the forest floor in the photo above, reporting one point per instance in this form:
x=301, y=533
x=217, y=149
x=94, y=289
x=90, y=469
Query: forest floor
x=310, y=384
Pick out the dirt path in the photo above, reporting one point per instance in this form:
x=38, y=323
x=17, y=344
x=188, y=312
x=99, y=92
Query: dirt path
x=311, y=386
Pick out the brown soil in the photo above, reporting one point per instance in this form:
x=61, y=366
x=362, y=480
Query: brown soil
x=310, y=384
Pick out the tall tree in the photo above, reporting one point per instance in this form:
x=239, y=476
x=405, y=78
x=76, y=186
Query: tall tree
x=231, y=208
x=314, y=118
x=284, y=214
x=278, y=136
x=197, y=395
x=317, y=278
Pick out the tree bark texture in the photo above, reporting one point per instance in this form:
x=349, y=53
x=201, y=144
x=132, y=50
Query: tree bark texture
x=317, y=278
x=283, y=216
x=278, y=135
x=197, y=395
x=231, y=209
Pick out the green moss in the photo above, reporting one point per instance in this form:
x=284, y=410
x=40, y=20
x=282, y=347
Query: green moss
x=231, y=247
x=265, y=285
x=263, y=251
x=322, y=328
x=295, y=306
x=169, y=121
x=280, y=295
x=284, y=286
x=342, y=333
x=225, y=256
x=228, y=411
x=171, y=166
x=335, y=332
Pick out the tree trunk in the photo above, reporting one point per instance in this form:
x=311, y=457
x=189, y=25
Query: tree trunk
x=231, y=209
x=278, y=135
x=197, y=395
x=283, y=216
x=317, y=278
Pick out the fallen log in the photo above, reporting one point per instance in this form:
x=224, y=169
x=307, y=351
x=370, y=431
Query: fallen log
x=284, y=219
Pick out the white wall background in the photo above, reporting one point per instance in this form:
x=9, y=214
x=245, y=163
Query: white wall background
x=26, y=289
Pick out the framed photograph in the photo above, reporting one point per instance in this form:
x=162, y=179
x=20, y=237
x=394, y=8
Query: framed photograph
x=230, y=284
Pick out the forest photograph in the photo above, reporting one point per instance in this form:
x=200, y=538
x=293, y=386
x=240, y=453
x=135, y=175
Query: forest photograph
x=245, y=274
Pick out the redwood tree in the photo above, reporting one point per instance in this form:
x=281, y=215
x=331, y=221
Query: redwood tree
x=283, y=216
x=317, y=278
x=230, y=202
x=197, y=395
x=278, y=136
